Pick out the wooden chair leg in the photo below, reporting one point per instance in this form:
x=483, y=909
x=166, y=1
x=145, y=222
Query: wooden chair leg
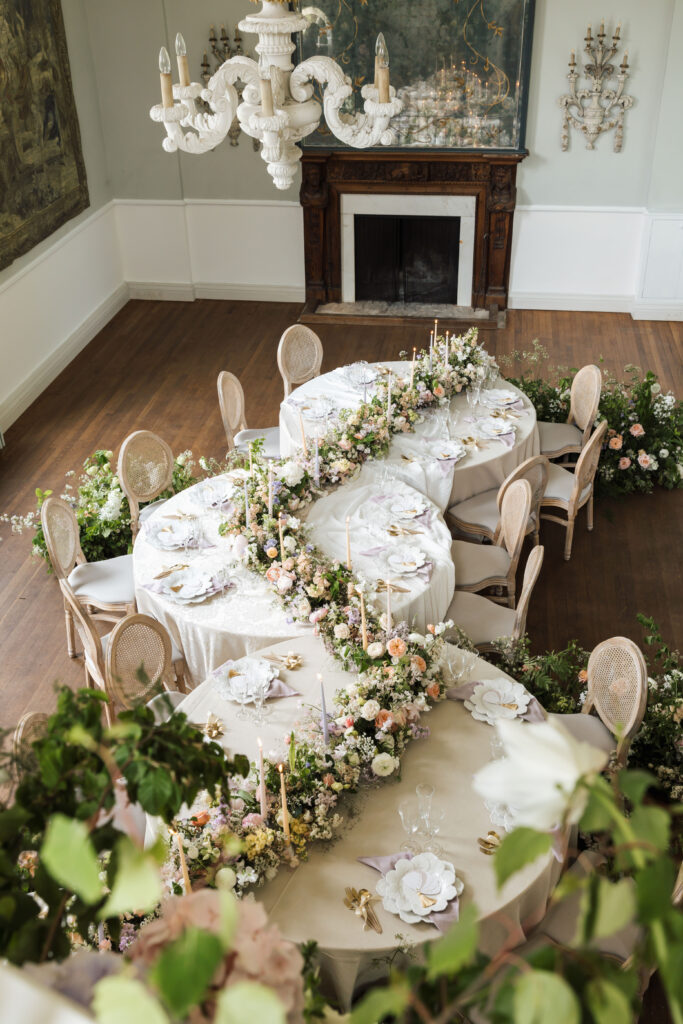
x=70, y=632
x=590, y=513
x=568, y=540
x=179, y=668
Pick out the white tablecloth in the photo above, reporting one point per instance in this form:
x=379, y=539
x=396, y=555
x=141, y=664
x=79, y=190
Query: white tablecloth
x=307, y=903
x=369, y=508
x=484, y=467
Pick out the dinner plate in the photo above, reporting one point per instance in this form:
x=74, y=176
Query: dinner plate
x=254, y=670
x=406, y=560
x=168, y=533
x=448, y=451
x=491, y=427
x=409, y=507
x=500, y=396
x=418, y=887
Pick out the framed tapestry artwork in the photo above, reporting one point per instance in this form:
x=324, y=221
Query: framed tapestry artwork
x=42, y=174
x=461, y=67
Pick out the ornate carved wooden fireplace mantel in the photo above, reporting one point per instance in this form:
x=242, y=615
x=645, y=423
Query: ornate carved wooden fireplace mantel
x=489, y=177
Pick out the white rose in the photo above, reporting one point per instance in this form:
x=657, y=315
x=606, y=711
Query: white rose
x=303, y=606
x=110, y=455
x=375, y=650
x=290, y=543
x=291, y=473
x=226, y=878
x=664, y=453
x=655, y=389
x=115, y=481
x=181, y=459
x=192, y=852
x=539, y=773
x=92, y=470
x=284, y=584
x=416, y=638
x=384, y=764
x=370, y=710
x=342, y=631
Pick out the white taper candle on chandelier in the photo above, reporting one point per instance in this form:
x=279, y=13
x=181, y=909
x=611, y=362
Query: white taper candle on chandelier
x=181, y=55
x=382, y=70
x=165, y=76
x=262, y=781
x=266, y=97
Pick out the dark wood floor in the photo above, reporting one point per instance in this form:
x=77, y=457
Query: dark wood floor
x=155, y=366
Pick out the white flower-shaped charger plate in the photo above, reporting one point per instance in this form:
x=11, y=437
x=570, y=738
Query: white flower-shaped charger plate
x=491, y=427
x=406, y=560
x=254, y=670
x=449, y=450
x=169, y=534
x=418, y=887
x=216, y=492
x=409, y=506
x=498, y=698
x=501, y=396
x=191, y=585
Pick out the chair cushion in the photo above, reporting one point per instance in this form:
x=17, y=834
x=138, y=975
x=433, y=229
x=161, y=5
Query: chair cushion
x=270, y=436
x=480, y=510
x=150, y=509
x=107, y=582
x=555, y=437
x=561, y=484
x=482, y=620
x=588, y=729
x=477, y=562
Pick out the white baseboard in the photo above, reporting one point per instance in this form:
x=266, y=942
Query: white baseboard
x=573, y=303
x=164, y=291
x=251, y=292
x=50, y=368
x=657, y=309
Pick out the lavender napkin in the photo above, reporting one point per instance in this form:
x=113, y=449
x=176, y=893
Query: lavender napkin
x=533, y=713
x=159, y=587
x=444, y=918
x=374, y=551
x=507, y=439
x=425, y=518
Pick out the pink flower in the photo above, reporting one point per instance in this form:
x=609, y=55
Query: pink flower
x=583, y=676
x=636, y=430
x=624, y=462
x=273, y=573
x=345, y=444
x=644, y=460
x=328, y=779
x=418, y=663
x=396, y=647
x=439, y=391
x=384, y=720
x=616, y=442
x=433, y=690
x=318, y=615
x=252, y=821
x=201, y=819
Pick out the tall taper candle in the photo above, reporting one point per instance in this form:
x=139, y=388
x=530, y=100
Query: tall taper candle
x=181, y=54
x=389, y=399
x=316, y=463
x=283, y=794
x=165, y=77
x=183, y=862
x=266, y=97
x=431, y=349
x=262, y=781
x=363, y=623
x=251, y=458
x=323, y=707
x=246, y=503
x=389, y=620
x=348, y=544
x=282, y=540
x=270, y=489
x=412, y=369
x=303, y=435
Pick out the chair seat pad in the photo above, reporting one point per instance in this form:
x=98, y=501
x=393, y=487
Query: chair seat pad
x=555, y=437
x=150, y=509
x=482, y=620
x=477, y=562
x=561, y=485
x=107, y=582
x=269, y=435
x=588, y=729
x=479, y=510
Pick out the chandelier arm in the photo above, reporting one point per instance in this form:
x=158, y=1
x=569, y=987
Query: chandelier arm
x=359, y=130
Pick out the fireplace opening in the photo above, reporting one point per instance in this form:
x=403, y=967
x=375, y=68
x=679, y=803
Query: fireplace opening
x=406, y=258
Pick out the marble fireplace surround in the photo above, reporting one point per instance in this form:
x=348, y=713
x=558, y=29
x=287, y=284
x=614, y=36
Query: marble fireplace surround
x=477, y=187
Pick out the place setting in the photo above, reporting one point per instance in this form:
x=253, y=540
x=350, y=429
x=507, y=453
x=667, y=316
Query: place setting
x=175, y=532
x=247, y=681
x=191, y=583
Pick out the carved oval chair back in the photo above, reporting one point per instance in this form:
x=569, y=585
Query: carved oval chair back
x=231, y=400
x=299, y=356
x=145, y=469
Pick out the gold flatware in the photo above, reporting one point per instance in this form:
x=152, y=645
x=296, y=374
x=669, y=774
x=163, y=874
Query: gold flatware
x=360, y=902
x=402, y=531
x=291, y=660
x=490, y=843
x=178, y=515
x=395, y=589
x=407, y=458
x=167, y=572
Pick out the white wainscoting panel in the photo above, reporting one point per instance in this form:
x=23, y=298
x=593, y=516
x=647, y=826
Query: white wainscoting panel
x=661, y=293
x=577, y=258
x=55, y=305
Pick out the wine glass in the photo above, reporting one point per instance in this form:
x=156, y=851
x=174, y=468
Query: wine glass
x=433, y=826
x=410, y=819
x=239, y=687
x=190, y=539
x=261, y=688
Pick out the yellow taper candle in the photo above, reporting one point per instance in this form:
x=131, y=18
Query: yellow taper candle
x=283, y=793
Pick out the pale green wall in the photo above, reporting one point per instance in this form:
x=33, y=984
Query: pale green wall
x=85, y=93
x=666, y=184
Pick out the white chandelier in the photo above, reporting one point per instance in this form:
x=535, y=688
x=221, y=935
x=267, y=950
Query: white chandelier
x=278, y=106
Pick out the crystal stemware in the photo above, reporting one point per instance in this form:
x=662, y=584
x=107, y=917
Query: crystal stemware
x=261, y=710
x=410, y=819
x=190, y=534
x=239, y=687
x=433, y=827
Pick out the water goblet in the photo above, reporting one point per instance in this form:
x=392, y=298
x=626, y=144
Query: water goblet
x=239, y=687
x=410, y=819
x=261, y=711
x=425, y=795
x=497, y=747
x=189, y=534
x=433, y=827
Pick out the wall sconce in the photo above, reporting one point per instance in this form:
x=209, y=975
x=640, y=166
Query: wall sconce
x=596, y=109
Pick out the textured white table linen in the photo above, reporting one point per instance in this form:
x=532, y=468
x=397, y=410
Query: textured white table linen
x=307, y=903
x=368, y=506
x=229, y=625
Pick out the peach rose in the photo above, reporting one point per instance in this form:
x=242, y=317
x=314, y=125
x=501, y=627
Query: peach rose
x=431, y=628
x=396, y=647
x=400, y=717
x=644, y=460
x=433, y=690
x=439, y=391
x=271, y=552
x=328, y=779
x=624, y=462
x=273, y=573
x=615, y=443
x=636, y=430
x=384, y=719
x=419, y=663
x=583, y=676
x=389, y=671
x=201, y=819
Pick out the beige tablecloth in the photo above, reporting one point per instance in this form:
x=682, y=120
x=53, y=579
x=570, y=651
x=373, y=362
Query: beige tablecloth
x=483, y=468
x=307, y=903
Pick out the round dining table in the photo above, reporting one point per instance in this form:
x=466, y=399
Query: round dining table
x=308, y=902
x=415, y=457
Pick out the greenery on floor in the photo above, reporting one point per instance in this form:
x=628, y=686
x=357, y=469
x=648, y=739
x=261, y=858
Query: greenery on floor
x=558, y=679
x=644, y=445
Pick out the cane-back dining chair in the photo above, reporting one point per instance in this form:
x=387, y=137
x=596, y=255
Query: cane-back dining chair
x=106, y=589
x=571, y=491
x=479, y=516
x=231, y=400
x=558, y=439
x=478, y=566
x=617, y=690
x=299, y=356
x=31, y=727
x=145, y=469
x=139, y=661
x=484, y=622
